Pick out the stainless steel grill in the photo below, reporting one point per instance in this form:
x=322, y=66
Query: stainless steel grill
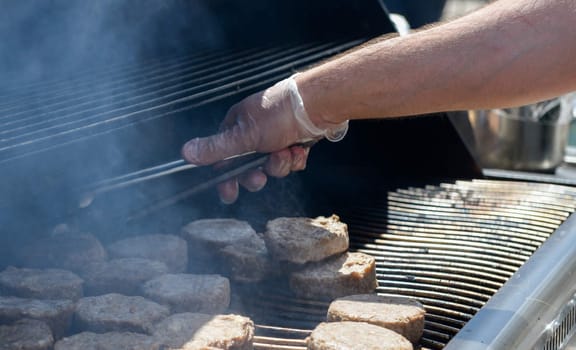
x=451, y=246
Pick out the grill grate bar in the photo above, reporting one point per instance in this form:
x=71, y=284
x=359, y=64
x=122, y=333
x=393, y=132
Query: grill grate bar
x=80, y=84
x=477, y=280
x=467, y=285
x=162, y=85
x=485, y=200
x=497, y=270
x=453, y=246
x=97, y=127
x=481, y=207
x=155, y=96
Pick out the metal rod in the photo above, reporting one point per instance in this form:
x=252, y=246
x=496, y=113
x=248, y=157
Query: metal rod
x=87, y=83
x=147, y=174
x=158, y=100
x=198, y=188
x=246, y=84
x=130, y=87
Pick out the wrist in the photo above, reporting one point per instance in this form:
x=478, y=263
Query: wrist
x=315, y=119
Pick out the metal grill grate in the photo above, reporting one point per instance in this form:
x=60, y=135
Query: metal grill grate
x=47, y=115
x=451, y=246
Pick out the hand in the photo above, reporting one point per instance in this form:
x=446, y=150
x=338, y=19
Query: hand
x=271, y=121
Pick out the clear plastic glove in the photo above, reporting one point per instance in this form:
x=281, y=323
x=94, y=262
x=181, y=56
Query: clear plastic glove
x=272, y=121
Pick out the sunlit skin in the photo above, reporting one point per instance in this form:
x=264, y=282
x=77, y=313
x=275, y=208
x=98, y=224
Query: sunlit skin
x=508, y=53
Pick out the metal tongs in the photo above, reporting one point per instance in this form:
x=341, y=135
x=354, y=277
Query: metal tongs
x=239, y=164
x=246, y=162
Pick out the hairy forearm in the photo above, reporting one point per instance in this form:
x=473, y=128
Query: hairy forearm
x=511, y=52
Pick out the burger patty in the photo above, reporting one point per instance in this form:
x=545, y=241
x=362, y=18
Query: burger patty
x=69, y=251
x=300, y=240
x=116, y=312
x=355, y=336
x=169, y=249
x=190, y=293
x=347, y=274
x=57, y=314
x=124, y=276
x=247, y=261
x=400, y=314
x=40, y=283
x=202, y=331
x=26, y=334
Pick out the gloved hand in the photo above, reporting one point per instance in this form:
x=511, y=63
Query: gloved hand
x=273, y=120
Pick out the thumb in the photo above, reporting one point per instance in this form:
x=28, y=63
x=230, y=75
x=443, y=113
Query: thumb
x=212, y=149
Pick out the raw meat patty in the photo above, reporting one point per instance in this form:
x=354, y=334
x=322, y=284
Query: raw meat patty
x=68, y=251
x=40, y=283
x=57, y=314
x=116, y=312
x=169, y=249
x=190, y=293
x=248, y=260
x=301, y=240
x=347, y=274
x=206, y=237
x=355, y=336
x=108, y=341
x=26, y=334
x=403, y=315
x=124, y=276
x=202, y=331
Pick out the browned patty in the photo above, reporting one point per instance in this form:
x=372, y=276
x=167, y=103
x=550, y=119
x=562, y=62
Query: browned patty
x=207, y=237
x=400, y=314
x=124, y=276
x=169, y=249
x=116, y=312
x=347, y=274
x=300, y=240
x=248, y=260
x=108, y=341
x=355, y=336
x=218, y=232
x=190, y=293
x=40, y=283
x=56, y=313
x=69, y=251
x=202, y=331
x=26, y=334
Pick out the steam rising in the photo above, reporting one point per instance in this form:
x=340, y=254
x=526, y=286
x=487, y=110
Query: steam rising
x=56, y=55
x=55, y=38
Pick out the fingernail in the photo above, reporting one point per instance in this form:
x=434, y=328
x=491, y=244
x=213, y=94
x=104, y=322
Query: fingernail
x=228, y=192
x=190, y=151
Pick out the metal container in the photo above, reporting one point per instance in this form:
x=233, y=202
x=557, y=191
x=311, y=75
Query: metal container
x=513, y=139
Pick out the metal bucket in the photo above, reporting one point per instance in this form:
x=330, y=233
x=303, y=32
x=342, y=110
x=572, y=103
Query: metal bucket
x=510, y=139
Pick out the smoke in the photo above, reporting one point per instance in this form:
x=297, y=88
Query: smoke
x=53, y=38
x=54, y=59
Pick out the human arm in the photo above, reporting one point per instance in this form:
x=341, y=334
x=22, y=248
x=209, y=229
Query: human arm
x=511, y=52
